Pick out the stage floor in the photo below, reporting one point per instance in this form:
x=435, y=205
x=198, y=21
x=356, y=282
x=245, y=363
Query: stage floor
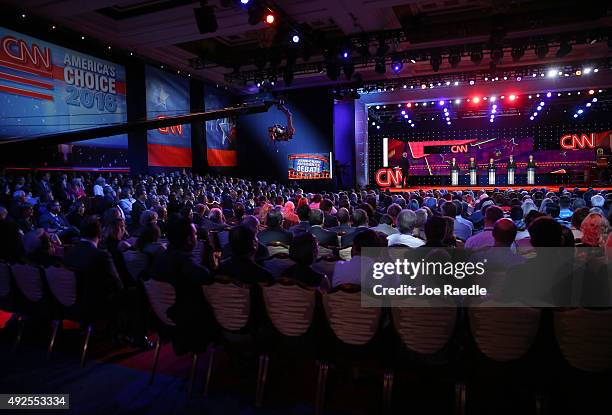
x=453, y=188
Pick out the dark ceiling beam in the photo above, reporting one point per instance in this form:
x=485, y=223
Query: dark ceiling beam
x=123, y=128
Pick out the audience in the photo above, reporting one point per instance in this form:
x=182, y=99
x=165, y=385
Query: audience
x=304, y=251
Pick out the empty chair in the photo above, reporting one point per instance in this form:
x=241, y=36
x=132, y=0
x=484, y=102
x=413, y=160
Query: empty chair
x=354, y=328
x=424, y=329
x=290, y=307
x=585, y=338
x=62, y=284
x=161, y=296
x=232, y=308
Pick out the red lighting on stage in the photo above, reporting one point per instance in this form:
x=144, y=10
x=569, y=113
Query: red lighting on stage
x=476, y=100
x=512, y=97
x=408, y=105
x=270, y=18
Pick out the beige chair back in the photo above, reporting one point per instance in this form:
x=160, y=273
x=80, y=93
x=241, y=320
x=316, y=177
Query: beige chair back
x=585, y=338
x=62, y=283
x=350, y=322
x=28, y=281
x=504, y=334
x=231, y=304
x=161, y=296
x=290, y=308
x=345, y=253
x=425, y=328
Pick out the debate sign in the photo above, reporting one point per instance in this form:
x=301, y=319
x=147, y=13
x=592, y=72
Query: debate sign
x=310, y=166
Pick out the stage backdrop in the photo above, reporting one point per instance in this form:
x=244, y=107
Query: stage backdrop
x=45, y=88
x=221, y=150
x=312, y=113
x=167, y=95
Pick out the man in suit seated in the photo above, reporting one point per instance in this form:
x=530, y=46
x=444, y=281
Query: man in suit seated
x=303, y=213
x=53, y=221
x=241, y=265
x=325, y=237
x=360, y=224
x=94, y=267
x=275, y=232
x=344, y=218
x=329, y=220
x=177, y=267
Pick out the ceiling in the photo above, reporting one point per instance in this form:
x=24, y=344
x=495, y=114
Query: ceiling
x=165, y=31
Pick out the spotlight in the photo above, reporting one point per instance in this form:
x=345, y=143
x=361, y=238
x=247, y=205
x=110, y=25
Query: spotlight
x=594, y=99
x=476, y=56
x=542, y=103
x=472, y=82
x=548, y=94
x=591, y=91
x=403, y=112
x=541, y=50
x=295, y=39
x=531, y=118
x=457, y=101
x=441, y=103
x=588, y=104
x=551, y=73
x=345, y=54
x=476, y=100
x=380, y=67
x=575, y=115
x=564, y=49
x=539, y=108
x=205, y=19
x=512, y=97
x=397, y=65
x=587, y=71
x=493, y=99
x=580, y=111
x=270, y=18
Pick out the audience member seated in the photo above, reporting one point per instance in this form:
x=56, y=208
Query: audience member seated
x=329, y=219
x=289, y=217
x=435, y=232
x=40, y=249
x=385, y=225
x=594, y=230
x=304, y=251
x=324, y=236
x=241, y=264
x=76, y=215
x=485, y=238
x=344, y=226
x=406, y=221
x=26, y=218
x=274, y=232
x=303, y=213
x=349, y=272
x=501, y=257
x=360, y=224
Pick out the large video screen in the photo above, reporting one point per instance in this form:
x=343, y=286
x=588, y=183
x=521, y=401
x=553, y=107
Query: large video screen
x=310, y=166
x=434, y=157
x=45, y=88
x=168, y=95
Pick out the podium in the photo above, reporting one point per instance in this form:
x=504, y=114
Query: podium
x=454, y=176
x=473, y=178
x=531, y=176
x=511, y=171
x=491, y=176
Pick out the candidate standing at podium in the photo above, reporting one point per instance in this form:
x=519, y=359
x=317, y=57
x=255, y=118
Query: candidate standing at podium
x=454, y=170
x=404, y=164
x=531, y=168
x=473, y=168
x=511, y=167
x=491, y=170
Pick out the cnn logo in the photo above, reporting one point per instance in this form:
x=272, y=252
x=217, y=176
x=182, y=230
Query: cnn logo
x=387, y=177
x=574, y=141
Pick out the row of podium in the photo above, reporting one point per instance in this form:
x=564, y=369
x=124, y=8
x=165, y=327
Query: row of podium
x=492, y=177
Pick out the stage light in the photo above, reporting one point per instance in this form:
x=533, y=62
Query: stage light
x=558, y=94
x=295, y=39
x=405, y=86
x=539, y=108
x=447, y=118
x=397, y=65
x=472, y=82
x=258, y=84
x=456, y=83
x=53, y=27
x=457, y=101
x=447, y=83
x=23, y=15
x=595, y=70
x=412, y=125
x=580, y=111
x=378, y=107
x=591, y=91
x=531, y=118
x=575, y=115
x=548, y=94
x=519, y=78
x=270, y=18
x=594, y=100
x=373, y=122
x=491, y=120
x=476, y=100
x=345, y=54
x=542, y=103
x=502, y=97
x=512, y=97
x=448, y=123
x=441, y=103
x=423, y=86
x=409, y=105
x=244, y=1
x=588, y=104
x=403, y=112
x=205, y=19
x=378, y=127
x=535, y=114
x=82, y=37
x=551, y=73
x=495, y=106
x=529, y=96
x=406, y=116
x=424, y=104
x=587, y=71
x=492, y=99
x=485, y=98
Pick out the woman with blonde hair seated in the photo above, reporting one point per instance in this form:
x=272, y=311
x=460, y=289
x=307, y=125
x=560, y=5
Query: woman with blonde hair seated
x=594, y=230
